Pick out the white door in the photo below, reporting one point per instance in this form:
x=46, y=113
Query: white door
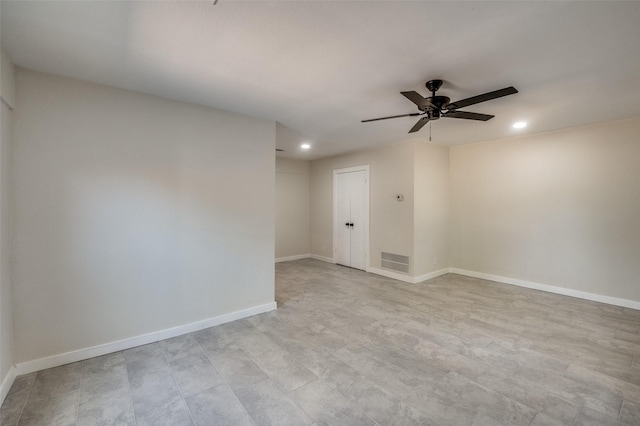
x=352, y=218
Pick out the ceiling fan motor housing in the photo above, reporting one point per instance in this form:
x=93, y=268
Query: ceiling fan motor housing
x=434, y=105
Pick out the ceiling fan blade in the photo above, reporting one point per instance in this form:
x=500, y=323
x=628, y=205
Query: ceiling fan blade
x=419, y=124
x=415, y=97
x=468, y=115
x=393, y=116
x=481, y=98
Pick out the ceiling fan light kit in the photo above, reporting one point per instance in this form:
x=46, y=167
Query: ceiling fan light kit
x=434, y=107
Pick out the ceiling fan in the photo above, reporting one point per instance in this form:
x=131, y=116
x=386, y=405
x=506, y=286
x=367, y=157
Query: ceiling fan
x=435, y=107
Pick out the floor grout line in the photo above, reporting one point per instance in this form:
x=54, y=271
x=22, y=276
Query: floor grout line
x=575, y=419
x=225, y=383
x=82, y=368
x=377, y=331
x=175, y=382
x=620, y=412
x=35, y=376
x=126, y=367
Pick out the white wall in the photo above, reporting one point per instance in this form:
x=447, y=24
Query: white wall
x=292, y=207
x=431, y=208
x=417, y=227
x=559, y=208
x=6, y=298
x=133, y=214
x=391, y=222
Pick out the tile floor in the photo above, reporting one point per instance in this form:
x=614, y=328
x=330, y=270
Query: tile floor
x=350, y=348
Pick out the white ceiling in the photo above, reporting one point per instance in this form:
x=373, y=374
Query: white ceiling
x=318, y=68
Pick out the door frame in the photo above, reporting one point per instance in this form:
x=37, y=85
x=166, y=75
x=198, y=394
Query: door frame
x=336, y=172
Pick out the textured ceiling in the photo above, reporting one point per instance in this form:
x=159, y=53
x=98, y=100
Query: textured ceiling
x=318, y=68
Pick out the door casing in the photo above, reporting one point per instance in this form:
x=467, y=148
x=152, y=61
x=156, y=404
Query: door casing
x=336, y=221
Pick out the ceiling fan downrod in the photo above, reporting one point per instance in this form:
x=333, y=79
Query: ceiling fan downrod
x=433, y=86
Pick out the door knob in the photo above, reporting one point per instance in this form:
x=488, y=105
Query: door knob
x=351, y=225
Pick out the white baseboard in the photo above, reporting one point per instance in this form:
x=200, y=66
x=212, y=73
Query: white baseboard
x=550, y=288
x=295, y=257
x=377, y=271
x=391, y=274
x=430, y=275
x=407, y=278
x=120, y=345
x=324, y=259
x=7, y=382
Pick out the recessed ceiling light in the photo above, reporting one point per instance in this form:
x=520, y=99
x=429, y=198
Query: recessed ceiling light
x=519, y=124
x=305, y=146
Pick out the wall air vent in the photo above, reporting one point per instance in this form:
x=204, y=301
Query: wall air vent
x=394, y=262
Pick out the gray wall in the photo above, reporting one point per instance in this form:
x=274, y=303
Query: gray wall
x=417, y=227
x=560, y=208
x=133, y=214
x=292, y=207
x=6, y=299
x=391, y=222
x=431, y=208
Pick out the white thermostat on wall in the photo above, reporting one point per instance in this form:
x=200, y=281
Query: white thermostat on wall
x=399, y=197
